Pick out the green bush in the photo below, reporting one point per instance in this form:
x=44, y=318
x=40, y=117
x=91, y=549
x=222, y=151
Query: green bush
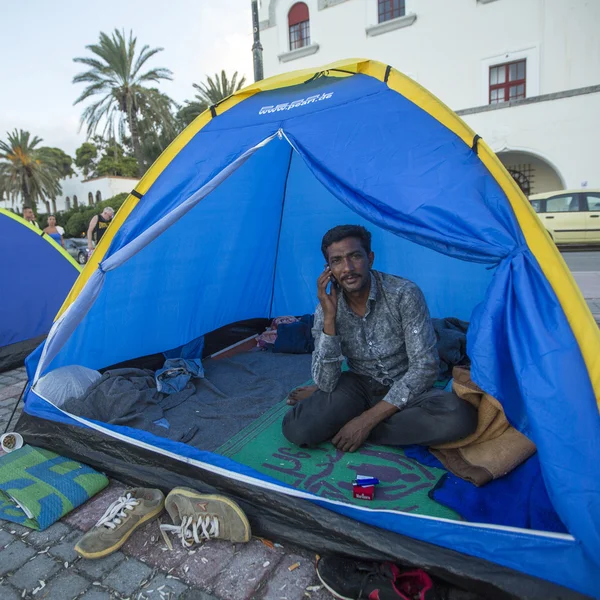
x=77, y=220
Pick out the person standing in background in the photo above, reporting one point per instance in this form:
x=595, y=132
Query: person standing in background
x=29, y=216
x=98, y=225
x=53, y=232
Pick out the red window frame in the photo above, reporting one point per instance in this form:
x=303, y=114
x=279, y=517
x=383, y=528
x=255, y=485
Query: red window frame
x=500, y=91
x=299, y=26
x=390, y=9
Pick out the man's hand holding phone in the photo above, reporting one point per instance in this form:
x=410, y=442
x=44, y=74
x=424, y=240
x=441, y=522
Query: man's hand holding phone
x=328, y=300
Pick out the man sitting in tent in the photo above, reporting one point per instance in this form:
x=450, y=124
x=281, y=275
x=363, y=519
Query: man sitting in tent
x=380, y=323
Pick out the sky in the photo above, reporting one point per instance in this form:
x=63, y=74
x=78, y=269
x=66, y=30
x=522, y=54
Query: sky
x=41, y=38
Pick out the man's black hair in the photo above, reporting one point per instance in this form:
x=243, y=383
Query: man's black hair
x=341, y=232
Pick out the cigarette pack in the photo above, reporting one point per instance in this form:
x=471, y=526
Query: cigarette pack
x=363, y=492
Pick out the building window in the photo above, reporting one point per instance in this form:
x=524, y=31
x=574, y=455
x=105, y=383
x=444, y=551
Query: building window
x=90, y=199
x=523, y=175
x=508, y=81
x=98, y=196
x=391, y=9
x=75, y=202
x=68, y=203
x=299, y=26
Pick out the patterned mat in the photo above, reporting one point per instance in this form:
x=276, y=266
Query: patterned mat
x=328, y=472
x=38, y=487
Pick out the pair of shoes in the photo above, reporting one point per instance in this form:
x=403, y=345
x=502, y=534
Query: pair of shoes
x=196, y=517
x=349, y=579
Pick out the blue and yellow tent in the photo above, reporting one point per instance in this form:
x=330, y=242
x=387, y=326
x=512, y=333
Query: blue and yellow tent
x=36, y=275
x=226, y=226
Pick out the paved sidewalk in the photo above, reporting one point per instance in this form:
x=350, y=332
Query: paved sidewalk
x=43, y=565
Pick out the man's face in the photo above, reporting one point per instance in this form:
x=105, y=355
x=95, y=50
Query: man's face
x=350, y=264
x=28, y=214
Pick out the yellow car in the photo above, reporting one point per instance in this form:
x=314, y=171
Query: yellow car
x=570, y=216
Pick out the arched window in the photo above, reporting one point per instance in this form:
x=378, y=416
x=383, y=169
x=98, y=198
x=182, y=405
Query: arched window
x=98, y=196
x=90, y=199
x=390, y=9
x=67, y=203
x=299, y=26
x=75, y=202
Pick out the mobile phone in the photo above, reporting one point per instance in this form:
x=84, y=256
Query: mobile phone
x=334, y=283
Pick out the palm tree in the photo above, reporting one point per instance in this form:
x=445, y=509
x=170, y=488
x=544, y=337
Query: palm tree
x=116, y=75
x=219, y=88
x=210, y=92
x=28, y=171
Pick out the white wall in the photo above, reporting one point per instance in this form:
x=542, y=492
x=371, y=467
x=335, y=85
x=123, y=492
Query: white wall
x=449, y=46
x=562, y=132
x=107, y=186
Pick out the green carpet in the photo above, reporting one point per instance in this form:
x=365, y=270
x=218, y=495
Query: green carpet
x=328, y=472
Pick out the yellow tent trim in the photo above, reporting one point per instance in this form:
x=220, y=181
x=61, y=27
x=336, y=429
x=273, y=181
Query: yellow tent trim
x=38, y=232
x=553, y=266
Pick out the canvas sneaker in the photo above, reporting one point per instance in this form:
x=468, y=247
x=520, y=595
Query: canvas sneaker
x=120, y=520
x=349, y=579
x=200, y=517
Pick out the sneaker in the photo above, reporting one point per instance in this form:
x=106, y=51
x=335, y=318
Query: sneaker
x=349, y=579
x=200, y=517
x=121, y=518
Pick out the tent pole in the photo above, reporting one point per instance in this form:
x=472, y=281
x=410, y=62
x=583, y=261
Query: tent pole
x=15, y=408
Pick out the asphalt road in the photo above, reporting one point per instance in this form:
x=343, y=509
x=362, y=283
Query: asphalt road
x=582, y=260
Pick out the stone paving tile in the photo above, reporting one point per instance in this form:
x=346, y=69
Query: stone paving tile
x=87, y=515
x=97, y=568
x=318, y=593
x=42, y=539
x=204, y=563
x=11, y=391
x=251, y=564
x=147, y=544
x=14, y=556
x=66, y=586
x=193, y=594
x=5, y=538
x=15, y=528
x=128, y=576
x=95, y=594
x=8, y=593
x=65, y=551
x=290, y=584
x=170, y=588
x=41, y=568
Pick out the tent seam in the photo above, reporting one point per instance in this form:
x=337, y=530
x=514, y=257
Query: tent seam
x=285, y=185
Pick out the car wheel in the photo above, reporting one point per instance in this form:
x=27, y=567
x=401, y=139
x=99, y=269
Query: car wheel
x=82, y=258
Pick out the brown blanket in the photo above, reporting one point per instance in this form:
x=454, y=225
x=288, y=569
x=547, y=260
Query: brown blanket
x=494, y=449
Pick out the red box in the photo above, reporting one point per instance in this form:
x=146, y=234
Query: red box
x=363, y=492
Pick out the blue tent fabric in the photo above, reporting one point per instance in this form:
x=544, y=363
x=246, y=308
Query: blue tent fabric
x=36, y=279
x=519, y=499
x=250, y=248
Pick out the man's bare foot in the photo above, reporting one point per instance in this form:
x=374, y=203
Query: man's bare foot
x=300, y=393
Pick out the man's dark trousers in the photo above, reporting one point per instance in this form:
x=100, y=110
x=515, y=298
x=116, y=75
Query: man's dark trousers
x=434, y=417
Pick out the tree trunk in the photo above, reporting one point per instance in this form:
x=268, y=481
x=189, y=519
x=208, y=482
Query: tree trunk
x=25, y=195
x=54, y=206
x=47, y=205
x=135, y=140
